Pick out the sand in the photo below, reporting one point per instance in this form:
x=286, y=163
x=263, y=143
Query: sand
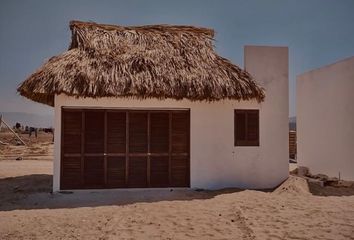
x=40, y=148
x=292, y=211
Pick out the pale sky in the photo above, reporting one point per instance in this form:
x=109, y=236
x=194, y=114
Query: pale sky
x=317, y=32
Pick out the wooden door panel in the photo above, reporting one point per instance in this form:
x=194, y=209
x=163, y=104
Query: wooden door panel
x=101, y=149
x=116, y=132
x=159, y=171
x=72, y=123
x=180, y=132
x=116, y=172
x=179, y=171
x=137, y=172
x=159, y=132
x=94, y=172
x=138, y=132
x=71, y=173
x=94, y=132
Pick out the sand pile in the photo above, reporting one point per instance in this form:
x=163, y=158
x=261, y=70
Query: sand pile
x=293, y=186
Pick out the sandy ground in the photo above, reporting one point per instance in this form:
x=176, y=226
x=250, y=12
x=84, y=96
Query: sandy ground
x=292, y=211
x=40, y=148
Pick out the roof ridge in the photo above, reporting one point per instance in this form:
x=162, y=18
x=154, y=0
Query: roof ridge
x=154, y=27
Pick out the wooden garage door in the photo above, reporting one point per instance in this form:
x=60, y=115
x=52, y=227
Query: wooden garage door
x=125, y=148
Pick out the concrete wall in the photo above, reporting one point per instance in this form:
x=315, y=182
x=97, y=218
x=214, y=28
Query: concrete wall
x=325, y=119
x=270, y=67
x=215, y=161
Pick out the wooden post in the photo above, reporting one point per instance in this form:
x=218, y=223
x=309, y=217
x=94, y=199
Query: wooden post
x=18, y=137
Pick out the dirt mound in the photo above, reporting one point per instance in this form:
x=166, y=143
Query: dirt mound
x=293, y=186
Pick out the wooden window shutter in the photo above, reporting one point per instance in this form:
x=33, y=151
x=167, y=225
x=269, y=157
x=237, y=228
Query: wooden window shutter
x=246, y=126
x=240, y=127
x=252, y=127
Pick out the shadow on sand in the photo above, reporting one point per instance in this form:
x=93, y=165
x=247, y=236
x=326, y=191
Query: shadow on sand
x=34, y=192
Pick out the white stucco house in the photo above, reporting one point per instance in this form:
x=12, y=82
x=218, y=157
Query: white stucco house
x=155, y=106
x=325, y=119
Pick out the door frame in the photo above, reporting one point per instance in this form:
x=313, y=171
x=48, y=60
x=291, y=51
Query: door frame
x=127, y=154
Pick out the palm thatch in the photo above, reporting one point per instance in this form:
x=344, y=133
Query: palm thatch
x=156, y=61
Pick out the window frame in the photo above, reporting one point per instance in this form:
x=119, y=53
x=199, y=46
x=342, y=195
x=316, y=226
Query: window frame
x=246, y=142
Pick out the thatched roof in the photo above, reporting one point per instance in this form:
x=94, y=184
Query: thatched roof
x=158, y=61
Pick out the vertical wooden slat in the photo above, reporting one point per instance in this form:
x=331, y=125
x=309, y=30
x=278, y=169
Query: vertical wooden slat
x=169, y=146
x=71, y=150
x=246, y=125
x=253, y=127
x=180, y=152
x=61, y=148
x=148, y=155
x=189, y=148
x=105, y=148
x=126, y=148
x=94, y=149
x=82, y=145
x=235, y=131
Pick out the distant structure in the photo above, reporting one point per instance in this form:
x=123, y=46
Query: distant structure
x=292, y=145
x=2, y=121
x=325, y=119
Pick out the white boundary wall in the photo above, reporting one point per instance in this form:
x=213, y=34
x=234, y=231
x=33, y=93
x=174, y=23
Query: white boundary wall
x=325, y=119
x=215, y=161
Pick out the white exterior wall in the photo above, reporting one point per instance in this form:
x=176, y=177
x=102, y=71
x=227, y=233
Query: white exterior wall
x=270, y=67
x=215, y=162
x=325, y=119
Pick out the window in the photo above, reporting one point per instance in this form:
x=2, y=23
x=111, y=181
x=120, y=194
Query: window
x=246, y=124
